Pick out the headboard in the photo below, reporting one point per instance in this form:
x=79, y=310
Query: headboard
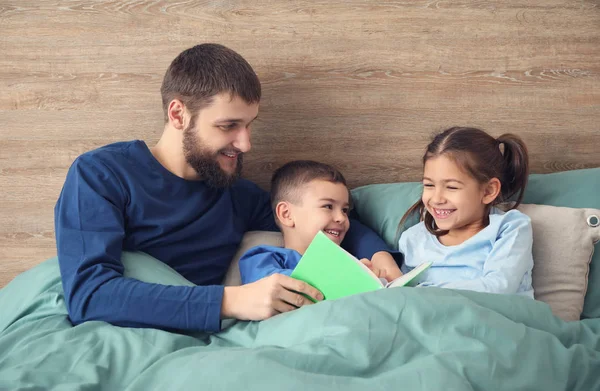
x=358, y=84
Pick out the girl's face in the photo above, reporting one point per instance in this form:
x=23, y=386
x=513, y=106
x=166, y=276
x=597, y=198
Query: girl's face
x=455, y=199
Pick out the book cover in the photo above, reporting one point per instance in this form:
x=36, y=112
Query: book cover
x=336, y=273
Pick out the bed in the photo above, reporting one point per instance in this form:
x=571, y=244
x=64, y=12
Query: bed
x=361, y=85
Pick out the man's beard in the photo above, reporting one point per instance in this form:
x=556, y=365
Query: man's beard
x=205, y=163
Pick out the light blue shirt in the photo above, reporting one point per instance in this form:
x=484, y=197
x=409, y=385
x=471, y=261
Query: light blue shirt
x=498, y=259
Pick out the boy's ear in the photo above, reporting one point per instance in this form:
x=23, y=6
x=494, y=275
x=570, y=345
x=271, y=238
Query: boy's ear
x=491, y=191
x=283, y=213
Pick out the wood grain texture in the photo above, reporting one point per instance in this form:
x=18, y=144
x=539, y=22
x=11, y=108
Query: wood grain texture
x=360, y=84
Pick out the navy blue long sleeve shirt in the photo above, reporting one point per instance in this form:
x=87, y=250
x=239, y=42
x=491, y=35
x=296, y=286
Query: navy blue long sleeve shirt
x=119, y=197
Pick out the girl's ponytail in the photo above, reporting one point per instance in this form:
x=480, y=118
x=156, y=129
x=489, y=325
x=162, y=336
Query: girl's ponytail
x=515, y=171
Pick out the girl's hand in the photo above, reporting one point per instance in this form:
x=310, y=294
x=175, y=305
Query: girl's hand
x=383, y=265
x=367, y=262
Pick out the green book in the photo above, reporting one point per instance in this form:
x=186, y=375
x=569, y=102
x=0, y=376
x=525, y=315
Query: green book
x=336, y=273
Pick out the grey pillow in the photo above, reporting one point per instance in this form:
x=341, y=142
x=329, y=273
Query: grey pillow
x=563, y=245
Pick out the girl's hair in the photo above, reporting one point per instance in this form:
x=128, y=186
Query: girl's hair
x=479, y=155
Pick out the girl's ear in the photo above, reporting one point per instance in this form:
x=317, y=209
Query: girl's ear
x=284, y=213
x=491, y=191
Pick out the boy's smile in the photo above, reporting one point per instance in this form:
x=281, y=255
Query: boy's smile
x=324, y=207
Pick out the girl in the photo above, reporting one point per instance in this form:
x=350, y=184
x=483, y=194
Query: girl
x=472, y=244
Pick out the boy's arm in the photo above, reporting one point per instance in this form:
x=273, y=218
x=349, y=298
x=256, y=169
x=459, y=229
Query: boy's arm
x=508, y=262
x=262, y=261
x=90, y=229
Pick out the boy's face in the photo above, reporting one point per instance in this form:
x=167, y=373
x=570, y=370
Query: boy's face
x=324, y=207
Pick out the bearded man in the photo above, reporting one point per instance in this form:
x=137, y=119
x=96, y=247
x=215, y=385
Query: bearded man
x=181, y=201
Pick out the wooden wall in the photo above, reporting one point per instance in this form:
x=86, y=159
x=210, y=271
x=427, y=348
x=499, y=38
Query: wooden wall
x=360, y=84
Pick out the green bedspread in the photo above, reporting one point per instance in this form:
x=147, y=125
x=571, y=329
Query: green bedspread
x=400, y=338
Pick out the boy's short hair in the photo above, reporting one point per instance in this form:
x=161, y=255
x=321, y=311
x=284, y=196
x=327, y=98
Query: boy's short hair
x=287, y=181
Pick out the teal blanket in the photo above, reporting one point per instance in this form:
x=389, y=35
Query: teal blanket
x=401, y=338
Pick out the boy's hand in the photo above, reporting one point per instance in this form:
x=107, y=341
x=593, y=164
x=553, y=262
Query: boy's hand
x=383, y=265
x=266, y=297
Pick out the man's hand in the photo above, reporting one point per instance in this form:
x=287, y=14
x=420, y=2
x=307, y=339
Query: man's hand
x=383, y=265
x=266, y=297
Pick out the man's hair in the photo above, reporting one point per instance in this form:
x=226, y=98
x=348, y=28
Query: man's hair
x=197, y=74
x=288, y=180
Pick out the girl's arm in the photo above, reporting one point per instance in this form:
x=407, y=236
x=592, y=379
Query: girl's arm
x=508, y=262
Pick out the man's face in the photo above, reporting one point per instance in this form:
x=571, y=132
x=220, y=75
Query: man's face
x=214, y=142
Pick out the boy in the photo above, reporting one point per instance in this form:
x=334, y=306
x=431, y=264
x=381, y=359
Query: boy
x=307, y=197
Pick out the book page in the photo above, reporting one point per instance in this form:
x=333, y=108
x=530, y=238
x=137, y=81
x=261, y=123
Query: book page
x=412, y=278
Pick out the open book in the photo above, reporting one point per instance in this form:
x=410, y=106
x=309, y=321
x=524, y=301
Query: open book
x=336, y=273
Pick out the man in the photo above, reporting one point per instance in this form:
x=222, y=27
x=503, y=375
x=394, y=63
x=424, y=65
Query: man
x=180, y=201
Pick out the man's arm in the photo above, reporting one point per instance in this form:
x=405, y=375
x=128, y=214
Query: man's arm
x=90, y=228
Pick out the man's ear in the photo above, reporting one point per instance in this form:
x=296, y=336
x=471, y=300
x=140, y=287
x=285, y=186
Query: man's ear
x=177, y=114
x=284, y=214
x=491, y=191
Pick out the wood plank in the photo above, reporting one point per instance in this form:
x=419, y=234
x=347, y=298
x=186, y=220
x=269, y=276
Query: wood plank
x=359, y=84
